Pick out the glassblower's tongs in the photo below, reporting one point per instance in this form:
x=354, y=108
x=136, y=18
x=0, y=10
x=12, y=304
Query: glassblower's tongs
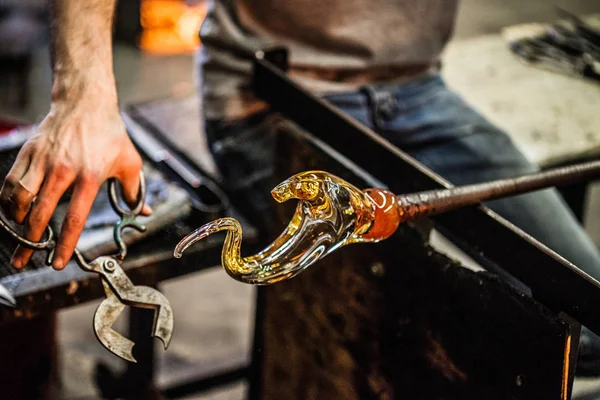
x=119, y=290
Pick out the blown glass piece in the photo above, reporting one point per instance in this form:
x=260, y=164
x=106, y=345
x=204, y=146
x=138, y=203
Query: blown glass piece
x=331, y=213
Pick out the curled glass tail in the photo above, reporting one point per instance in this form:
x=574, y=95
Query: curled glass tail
x=204, y=231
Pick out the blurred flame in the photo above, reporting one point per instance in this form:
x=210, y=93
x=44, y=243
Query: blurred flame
x=170, y=26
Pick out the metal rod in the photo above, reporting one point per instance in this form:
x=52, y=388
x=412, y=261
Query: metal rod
x=439, y=201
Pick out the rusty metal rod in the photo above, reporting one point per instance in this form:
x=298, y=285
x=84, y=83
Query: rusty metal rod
x=439, y=201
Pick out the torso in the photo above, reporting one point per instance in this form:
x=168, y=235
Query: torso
x=346, y=36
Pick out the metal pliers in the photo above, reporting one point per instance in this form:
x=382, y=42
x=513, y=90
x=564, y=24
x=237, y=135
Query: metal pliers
x=119, y=290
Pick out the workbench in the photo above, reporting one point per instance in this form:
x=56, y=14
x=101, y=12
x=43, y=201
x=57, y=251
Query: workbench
x=40, y=291
x=551, y=117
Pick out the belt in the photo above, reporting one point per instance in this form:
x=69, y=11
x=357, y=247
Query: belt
x=362, y=75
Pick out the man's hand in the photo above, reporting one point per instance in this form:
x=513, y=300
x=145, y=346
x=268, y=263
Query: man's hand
x=79, y=146
x=82, y=141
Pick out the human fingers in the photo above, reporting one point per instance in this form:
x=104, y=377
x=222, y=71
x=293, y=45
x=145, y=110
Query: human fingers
x=17, y=171
x=58, y=181
x=20, y=200
x=129, y=177
x=24, y=192
x=82, y=199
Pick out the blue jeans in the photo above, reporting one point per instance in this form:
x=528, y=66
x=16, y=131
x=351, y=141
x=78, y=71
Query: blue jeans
x=436, y=127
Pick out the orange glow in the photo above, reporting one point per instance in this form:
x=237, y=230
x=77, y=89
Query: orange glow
x=566, y=368
x=170, y=26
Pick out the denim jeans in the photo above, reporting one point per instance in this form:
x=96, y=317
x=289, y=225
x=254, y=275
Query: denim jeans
x=436, y=127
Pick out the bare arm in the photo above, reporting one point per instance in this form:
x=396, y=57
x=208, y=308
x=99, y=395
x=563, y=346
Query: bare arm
x=82, y=141
x=81, y=48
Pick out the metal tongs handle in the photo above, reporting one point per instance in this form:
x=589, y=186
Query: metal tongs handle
x=127, y=218
x=41, y=245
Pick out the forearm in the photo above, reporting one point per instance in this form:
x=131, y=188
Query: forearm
x=81, y=142
x=82, y=49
